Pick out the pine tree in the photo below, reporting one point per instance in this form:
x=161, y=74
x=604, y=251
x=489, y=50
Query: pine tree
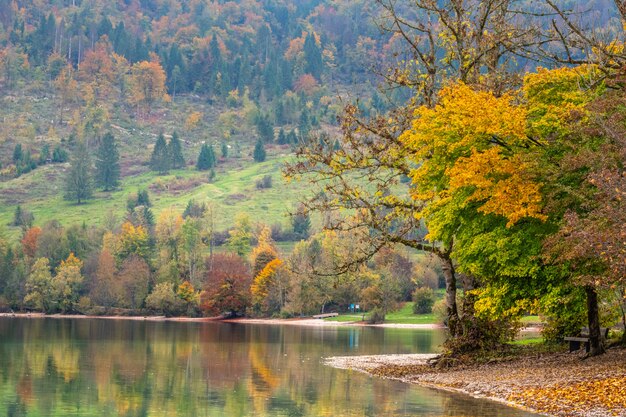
x=160, y=160
x=108, y=163
x=17, y=153
x=206, y=159
x=259, y=151
x=78, y=185
x=313, y=57
x=282, y=138
x=264, y=128
x=175, y=151
x=224, y=150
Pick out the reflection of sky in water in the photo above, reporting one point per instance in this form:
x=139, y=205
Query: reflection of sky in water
x=81, y=367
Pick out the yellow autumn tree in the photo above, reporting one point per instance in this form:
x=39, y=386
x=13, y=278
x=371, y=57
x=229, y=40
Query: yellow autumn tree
x=147, y=84
x=469, y=148
x=263, y=284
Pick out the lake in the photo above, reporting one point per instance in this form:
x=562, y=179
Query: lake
x=98, y=367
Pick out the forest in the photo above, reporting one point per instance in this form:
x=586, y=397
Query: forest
x=472, y=146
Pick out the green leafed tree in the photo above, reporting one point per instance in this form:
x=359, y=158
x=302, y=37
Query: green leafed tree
x=259, y=153
x=160, y=159
x=175, y=150
x=39, y=287
x=108, y=163
x=79, y=182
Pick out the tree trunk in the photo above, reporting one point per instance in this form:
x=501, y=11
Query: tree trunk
x=450, y=278
x=593, y=318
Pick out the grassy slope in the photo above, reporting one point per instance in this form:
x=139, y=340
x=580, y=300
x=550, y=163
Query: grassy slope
x=29, y=117
x=232, y=191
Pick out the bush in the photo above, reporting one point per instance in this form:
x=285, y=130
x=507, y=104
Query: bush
x=376, y=316
x=440, y=311
x=165, y=301
x=263, y=183
x=423, y=299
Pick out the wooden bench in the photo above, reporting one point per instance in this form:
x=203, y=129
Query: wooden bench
x=323, y=316
x=583, y=337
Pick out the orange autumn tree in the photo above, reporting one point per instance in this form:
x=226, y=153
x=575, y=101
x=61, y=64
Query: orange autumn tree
x=147, y=84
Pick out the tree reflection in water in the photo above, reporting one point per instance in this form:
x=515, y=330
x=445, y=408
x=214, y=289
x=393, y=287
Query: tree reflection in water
x=92, y=367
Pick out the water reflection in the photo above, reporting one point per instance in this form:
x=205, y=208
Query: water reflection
x=131, y=368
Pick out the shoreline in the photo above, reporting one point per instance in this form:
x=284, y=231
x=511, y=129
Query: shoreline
x=309, y=322
x=556, y=384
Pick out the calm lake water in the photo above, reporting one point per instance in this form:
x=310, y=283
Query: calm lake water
x=85, y=367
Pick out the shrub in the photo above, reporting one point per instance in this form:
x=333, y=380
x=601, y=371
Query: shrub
x=376, y=316
x=164, y=300
x=263, y=183
x=423, y=300
x=440, y=311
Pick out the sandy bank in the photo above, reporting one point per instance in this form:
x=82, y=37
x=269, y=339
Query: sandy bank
x=324, y=323
x=553, y=384
x=291, y=322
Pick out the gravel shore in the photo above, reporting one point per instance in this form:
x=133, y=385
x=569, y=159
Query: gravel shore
x=559, y=384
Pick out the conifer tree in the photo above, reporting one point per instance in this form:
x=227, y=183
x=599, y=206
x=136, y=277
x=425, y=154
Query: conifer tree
x=206, y=159
x=107, y=163
x=78, y=185
x=175, y=151
x=282, y=138
x=224, y=150
x=259, y=152
x=160, y=160
x=313, y=56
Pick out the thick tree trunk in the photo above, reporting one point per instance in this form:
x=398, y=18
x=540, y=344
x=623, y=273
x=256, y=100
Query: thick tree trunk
x=593, y=318
x=451, y=307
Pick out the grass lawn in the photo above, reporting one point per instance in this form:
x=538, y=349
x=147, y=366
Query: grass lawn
x=402, y=316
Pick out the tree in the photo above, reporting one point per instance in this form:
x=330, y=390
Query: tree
x=259, y=151
x=239, y=237
x=177, y=160
x=147, y=84
x=264, y=252
x=224, y=150
x=206, y=159
x=134, y=277
x=227, y=287
x=264, y=128
x=301, y=222
x=67, y=283
x=78, y=185
x=160, y=160
x=18, y=154
x=107, y=163
x=39, y=287
x=23, y=218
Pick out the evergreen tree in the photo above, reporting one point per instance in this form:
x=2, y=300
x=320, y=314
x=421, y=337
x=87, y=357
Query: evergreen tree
x=160, y=160
x=259, y=151
x=224, y=150
x=44, y=154
x=282, y=138
x=264, y=128
x=206, y=159
x=175, y=151
x=78, y=185
x=313, y=57
x=59, y=154
x=292, y=137
x=107, y=163
x=17, y=153
x=301, y=222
